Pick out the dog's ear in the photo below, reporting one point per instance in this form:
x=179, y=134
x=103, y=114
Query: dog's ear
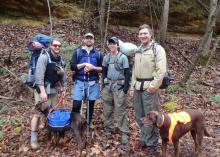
x=159, y=120
x=152, y=115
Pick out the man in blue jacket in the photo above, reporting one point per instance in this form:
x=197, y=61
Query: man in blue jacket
x=86, y=63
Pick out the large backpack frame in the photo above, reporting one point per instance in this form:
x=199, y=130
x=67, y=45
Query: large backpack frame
x=35, y=46
x=31, y=74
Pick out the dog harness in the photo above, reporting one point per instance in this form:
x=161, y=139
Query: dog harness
x=180, y=117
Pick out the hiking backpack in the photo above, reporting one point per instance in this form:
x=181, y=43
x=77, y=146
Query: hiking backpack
x=167, y=78
x=35, y=46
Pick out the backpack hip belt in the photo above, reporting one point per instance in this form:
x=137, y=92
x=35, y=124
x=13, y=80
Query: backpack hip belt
x=109, y=81
x=142, y=80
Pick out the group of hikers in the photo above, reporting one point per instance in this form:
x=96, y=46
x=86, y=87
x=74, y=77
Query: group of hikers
x=86, y=64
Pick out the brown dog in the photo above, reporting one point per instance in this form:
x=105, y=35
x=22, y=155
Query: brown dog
x=78, y=125
x=174, y=126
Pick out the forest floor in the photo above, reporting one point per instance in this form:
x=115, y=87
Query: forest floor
x=201, y=92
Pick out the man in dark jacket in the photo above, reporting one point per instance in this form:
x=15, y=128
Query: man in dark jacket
x=86, y=63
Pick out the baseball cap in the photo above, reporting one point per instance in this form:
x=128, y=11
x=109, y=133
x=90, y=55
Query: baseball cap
x=89, y=35
x=113, y=40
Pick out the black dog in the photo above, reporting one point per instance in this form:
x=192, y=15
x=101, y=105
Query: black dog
x=194, y=123
x=77, y=125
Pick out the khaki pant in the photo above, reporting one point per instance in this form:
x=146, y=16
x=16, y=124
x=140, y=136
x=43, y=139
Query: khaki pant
x=115, y=110
x=52, y=100
x=143, y=103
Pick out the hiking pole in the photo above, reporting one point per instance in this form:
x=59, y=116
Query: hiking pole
x=88, y=105
x=84, y=78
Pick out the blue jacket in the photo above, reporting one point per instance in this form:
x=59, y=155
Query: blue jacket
x=81, y=56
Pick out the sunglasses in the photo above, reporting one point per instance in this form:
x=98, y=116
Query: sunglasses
x=56, y=45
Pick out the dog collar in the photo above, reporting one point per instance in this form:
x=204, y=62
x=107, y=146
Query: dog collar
x=159, y=126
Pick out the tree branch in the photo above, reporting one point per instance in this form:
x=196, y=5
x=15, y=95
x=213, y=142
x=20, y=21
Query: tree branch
x=203, y=5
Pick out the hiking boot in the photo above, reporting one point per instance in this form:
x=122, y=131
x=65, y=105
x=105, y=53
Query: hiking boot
x=124, y=139
x=35, y=145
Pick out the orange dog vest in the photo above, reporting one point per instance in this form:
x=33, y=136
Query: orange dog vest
x=181, y=117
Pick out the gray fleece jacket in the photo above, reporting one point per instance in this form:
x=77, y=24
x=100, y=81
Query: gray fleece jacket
x=42, y=62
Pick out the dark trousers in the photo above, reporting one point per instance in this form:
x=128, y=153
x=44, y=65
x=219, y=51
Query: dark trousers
x=77, y=106
x=143, y=103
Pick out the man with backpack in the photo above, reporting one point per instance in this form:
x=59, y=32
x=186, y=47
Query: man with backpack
x=50, y=78
x=86, y=64
x=116, y=85
x=148, y=72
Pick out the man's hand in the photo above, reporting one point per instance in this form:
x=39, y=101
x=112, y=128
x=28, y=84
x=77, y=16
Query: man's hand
x=151, y=90
x=130, y=93
x=43, y=96
x=89, y=67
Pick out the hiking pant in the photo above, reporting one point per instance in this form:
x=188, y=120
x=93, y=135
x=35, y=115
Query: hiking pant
x=43, y=107
x=115, y=109
x=143, y=103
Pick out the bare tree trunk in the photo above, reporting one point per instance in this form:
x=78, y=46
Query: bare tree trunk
x=50, y=17
x=102, y=21
x=204, y=47
x=90, y=1
x=106, y=27
x=164, y=21
x=83, y=16
x=212, y=53
x=214, y=7
x=203, y=5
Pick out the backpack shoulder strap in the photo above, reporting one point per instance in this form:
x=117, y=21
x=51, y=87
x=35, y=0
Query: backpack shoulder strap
x=43, y=51
x=99, y=55
x=79, y=54
x=154, y=46
x=117, y=64
x=108, y=58
x=154, y=49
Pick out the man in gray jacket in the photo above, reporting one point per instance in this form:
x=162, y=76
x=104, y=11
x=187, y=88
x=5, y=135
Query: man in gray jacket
x=116, y=82
x=50, y=78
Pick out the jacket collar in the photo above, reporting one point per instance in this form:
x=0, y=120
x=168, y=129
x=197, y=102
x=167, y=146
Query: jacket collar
x=143, y=48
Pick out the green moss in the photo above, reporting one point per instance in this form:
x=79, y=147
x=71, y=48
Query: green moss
x=171, y=89
x=215, y=98
x=67, y=50
x=202, y=60
x=170, y=106
x=5, y=19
